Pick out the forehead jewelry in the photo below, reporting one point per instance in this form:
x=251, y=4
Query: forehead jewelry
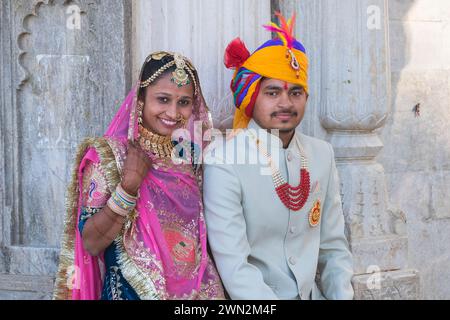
x=180, y=77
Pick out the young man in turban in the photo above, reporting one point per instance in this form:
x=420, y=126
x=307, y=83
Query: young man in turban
x=274, y=224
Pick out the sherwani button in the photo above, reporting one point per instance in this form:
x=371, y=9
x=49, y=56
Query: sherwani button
x=289, y=156
x=292, y=229
x=292, y=260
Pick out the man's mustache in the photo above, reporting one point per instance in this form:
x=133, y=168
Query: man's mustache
x=276, y=113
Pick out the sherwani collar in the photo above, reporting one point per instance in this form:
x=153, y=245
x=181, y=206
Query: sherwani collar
x=270, y=140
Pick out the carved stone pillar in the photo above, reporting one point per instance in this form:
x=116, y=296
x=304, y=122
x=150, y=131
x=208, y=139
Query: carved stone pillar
x=351, y=47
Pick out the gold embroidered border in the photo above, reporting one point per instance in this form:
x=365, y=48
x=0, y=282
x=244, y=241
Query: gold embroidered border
x=66, y=256
x=143, y=286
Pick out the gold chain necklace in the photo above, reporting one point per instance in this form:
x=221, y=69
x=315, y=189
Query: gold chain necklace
x=160, y=146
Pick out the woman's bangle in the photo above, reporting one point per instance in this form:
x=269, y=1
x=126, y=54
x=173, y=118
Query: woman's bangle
x=117, y=208
x=125, y=195
x=121, y=202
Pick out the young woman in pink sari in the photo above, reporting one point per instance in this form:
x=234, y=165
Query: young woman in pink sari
x=134, y=227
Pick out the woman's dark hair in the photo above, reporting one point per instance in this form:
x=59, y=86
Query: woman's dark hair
x=150, y=69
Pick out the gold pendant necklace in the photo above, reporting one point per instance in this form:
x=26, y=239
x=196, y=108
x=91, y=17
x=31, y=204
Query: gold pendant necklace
x=160, y=146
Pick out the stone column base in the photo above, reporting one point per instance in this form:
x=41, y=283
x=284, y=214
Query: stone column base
x=26, y=287
x=389, y=285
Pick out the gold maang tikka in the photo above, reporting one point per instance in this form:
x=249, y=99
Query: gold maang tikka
x=180, y=76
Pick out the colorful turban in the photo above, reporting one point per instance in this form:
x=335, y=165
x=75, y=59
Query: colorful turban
x=283, y=58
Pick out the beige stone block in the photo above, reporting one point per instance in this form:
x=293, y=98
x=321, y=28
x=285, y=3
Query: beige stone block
x=391, y=285
x=419, y=10
x=13, y=287
x=418, y=143
x=383, y=253
x=425, y=42
x=418, y=193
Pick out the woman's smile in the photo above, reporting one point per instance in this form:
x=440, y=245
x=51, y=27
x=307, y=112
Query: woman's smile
x=170, y=124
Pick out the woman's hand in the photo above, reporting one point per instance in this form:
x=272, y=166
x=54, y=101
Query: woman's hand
x=135, y=168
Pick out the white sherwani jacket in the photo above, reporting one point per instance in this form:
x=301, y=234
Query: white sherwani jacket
x=262, y=249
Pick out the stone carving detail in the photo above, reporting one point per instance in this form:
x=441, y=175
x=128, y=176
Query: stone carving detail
x=398, y=221
x=57, y=88
x=395, y=285
x=356, y=219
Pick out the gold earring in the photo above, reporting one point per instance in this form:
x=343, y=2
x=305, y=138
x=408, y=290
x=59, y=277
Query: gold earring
x=182, y=120
x=140, y=109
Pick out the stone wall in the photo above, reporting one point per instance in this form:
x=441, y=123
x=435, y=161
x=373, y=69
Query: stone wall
x=416, y=154
x=64, y=69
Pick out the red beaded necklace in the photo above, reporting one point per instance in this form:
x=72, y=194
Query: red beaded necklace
x=294, y=198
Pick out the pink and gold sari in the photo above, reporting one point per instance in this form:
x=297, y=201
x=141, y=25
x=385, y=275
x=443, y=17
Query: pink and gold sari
x=162, y=249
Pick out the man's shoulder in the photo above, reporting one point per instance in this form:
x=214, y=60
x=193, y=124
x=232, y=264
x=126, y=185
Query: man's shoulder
x=235, y=141
x=315, y=145
x=313, y=140
x=224, y=145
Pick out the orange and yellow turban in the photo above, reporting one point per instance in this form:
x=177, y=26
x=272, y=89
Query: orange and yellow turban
x=283, y=58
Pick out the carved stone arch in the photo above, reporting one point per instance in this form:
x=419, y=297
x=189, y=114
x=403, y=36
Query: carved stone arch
x=29, y=32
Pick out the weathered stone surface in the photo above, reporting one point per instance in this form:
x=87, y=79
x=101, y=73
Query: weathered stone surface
x=65, y=67
x=62, y=85
x=24, y=295
x=14, y=287
x=392, y=285
x=418, y=143
x=416, y=156
x=419, y=10
x=386, y=253
x=2, y=262
x=32, y=260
